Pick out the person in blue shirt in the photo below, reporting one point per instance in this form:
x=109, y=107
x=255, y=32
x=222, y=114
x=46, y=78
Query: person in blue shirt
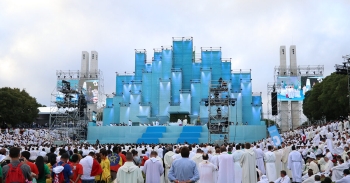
x=184, y=169
x=67, y=171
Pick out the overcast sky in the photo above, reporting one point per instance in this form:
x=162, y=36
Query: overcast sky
x=39, y=37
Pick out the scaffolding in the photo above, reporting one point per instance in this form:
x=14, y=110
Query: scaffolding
x=74, y=103
x=218, y=103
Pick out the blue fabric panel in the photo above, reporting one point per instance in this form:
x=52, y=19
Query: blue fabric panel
x=156, y=129
x=140, y=59
x=216, y=65
x=235, y=83
x=176, y=86
x=146, y=87
x=196, y=98
x=167, y=62
x=226, y=71
x=196, y=71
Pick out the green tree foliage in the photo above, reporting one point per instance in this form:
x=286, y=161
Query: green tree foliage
x=328, y=99
x=17, y=106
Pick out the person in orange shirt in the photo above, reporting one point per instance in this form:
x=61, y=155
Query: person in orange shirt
x=25, y=158
x=76, y=168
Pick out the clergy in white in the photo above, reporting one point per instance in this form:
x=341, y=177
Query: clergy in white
x=295, y=164
x=226, y=167
x=337, y=171
x=206, y=170
x=283, y=179
x=153, y=169
x=259, y=155
x=248, y=164
x=129, y=172
x=346, y=178
x=237, y=155
x=270, y=160
x=278, y=162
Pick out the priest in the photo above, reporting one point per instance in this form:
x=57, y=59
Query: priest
x=248, y=164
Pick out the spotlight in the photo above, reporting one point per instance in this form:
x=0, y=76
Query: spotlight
x=233, y=103
x=278, y=72
x=291, y=73
x=64, y=76
x=307, y=72
x=206, y=103
x=284, y=73
x=320, y=72
x=314, y=72
x=71, y=76
x=58, y=76
x=299, y=72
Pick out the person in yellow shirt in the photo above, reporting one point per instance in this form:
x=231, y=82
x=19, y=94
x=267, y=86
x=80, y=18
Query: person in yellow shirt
x=105, y=164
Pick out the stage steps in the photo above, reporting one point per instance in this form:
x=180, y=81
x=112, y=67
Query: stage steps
x=190, y=134
x=152, y=135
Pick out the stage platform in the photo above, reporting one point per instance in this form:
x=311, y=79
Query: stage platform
x=171, y=134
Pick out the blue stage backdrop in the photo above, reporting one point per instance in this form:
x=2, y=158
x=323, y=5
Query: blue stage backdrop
x=177, y=81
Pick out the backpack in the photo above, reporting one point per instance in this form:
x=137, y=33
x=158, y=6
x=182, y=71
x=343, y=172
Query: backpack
x=59, y=177
x=15, y=174
x=114, y=159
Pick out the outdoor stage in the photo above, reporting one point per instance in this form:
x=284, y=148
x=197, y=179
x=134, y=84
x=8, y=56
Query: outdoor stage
x=171, y=134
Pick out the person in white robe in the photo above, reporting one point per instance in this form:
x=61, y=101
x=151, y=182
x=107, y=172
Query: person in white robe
x=215, y=160
x=295, y=164
x=310, y=177
x=237, y=155
x=129, y=172
x=328, y=166
x=311, y=164
x=162, y=178
x=285, y=154
x=278, y=163
x=263, y=179
x=337, y=171
x=340, y=126
x=248, y=164
x=270, y=160
x=206, y=170
x=226, y=167
x=346, y=178
x=198, y=157
x=259, y=156
x=283, y=179
x=168, y=160
x=153, y=169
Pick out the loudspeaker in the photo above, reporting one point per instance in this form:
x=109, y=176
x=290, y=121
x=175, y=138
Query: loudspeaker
x=274, y=103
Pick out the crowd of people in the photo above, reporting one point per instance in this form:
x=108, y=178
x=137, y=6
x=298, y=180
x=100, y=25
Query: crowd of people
x=312, y=154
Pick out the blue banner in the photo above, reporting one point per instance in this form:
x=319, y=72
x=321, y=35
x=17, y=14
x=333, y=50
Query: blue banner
x=275, y=136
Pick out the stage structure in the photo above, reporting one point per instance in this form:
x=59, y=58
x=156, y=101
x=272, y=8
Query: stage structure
x=290, y=85
x=77, y=99
x=182, y=84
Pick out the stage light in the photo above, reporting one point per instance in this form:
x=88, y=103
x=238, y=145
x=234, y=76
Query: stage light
x=78, y=76
x=291, y=73
x=307, y=72
x=58, y=76
x=96, y=76
x=64, y=76
x=278, y=72
x=206, y=103
x=284, y=73
x=320, y=72
x=314, y=72
x=233, y=103
x=300, y=73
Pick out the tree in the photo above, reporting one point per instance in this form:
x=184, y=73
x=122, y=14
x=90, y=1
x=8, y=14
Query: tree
x=17, y=106
x=327, y=99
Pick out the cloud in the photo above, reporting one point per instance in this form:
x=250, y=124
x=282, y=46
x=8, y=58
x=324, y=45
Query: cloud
x=40, y=37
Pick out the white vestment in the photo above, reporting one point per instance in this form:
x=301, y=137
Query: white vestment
x=344, y=180
x=129, y=173
x=285, y=155
x=278, y=163
x=197, y=158
x=248, y=164
x=215, y=161
x=206, y=170
x=168, y=160
x=337, y=171
x=154, y=170
x=259, y=155
x=270, y=160
x=295, y=165
x=237, y=155
x=226, y=168
x=285, y=179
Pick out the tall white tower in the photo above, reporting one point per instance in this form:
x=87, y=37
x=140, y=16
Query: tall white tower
x=293, y=60
x=94, y=62
x=84, y=64
x=283, y=60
